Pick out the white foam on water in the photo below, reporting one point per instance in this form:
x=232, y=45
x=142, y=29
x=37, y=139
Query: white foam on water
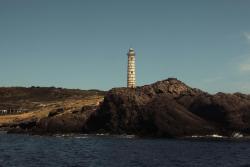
x=102, y=134
x=81, y=137
x=237, y=135
x=208, y=136
x=77, y=136
x=215, y=136
x=126, y=136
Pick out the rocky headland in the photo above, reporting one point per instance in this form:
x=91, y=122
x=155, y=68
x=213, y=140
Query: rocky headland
x=167, y=108
x=170, y=108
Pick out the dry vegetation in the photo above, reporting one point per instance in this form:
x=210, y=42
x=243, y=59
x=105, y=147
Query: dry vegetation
x=41, y=101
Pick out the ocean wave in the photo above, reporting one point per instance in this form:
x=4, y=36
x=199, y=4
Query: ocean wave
x=127, y=136
x=84, y=136
x=208, y=136
x=236, y=135
x=78, y=136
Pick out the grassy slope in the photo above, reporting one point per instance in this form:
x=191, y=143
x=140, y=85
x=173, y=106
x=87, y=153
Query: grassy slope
x=40, y=101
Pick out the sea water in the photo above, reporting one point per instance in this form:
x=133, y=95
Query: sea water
x=116, y=151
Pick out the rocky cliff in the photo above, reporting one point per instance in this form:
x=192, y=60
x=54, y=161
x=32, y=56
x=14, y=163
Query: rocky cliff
x=167, y=108
x=170, y=108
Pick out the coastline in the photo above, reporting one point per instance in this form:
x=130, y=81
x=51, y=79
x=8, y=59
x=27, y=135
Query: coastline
x=164, y=109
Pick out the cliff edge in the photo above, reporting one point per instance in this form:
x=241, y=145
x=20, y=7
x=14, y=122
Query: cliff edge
x=170, y=108
x=167, y=108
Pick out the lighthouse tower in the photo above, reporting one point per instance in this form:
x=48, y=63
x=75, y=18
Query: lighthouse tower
x=131, y=82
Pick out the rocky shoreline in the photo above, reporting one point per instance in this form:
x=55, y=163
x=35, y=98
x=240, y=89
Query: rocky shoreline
x=167, y=108
x=170, y=108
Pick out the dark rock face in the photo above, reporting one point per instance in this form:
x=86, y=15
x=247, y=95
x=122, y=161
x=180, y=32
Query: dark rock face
x=166, y=108
x=170, y=108
x=21, y=127
x=57, y=121
x=69, y=122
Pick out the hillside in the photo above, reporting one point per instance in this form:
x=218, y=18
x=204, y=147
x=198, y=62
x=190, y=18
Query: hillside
x=36, y=103
x=167, y=108
x=28, y=99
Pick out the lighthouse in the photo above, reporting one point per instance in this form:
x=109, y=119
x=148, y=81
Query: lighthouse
x=131, y=82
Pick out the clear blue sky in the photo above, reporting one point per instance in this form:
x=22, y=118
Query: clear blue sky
x=83, y=43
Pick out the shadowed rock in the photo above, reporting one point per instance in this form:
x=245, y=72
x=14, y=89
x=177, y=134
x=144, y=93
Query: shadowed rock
x=167, y=108
x=68, y=122
x=170, y=108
